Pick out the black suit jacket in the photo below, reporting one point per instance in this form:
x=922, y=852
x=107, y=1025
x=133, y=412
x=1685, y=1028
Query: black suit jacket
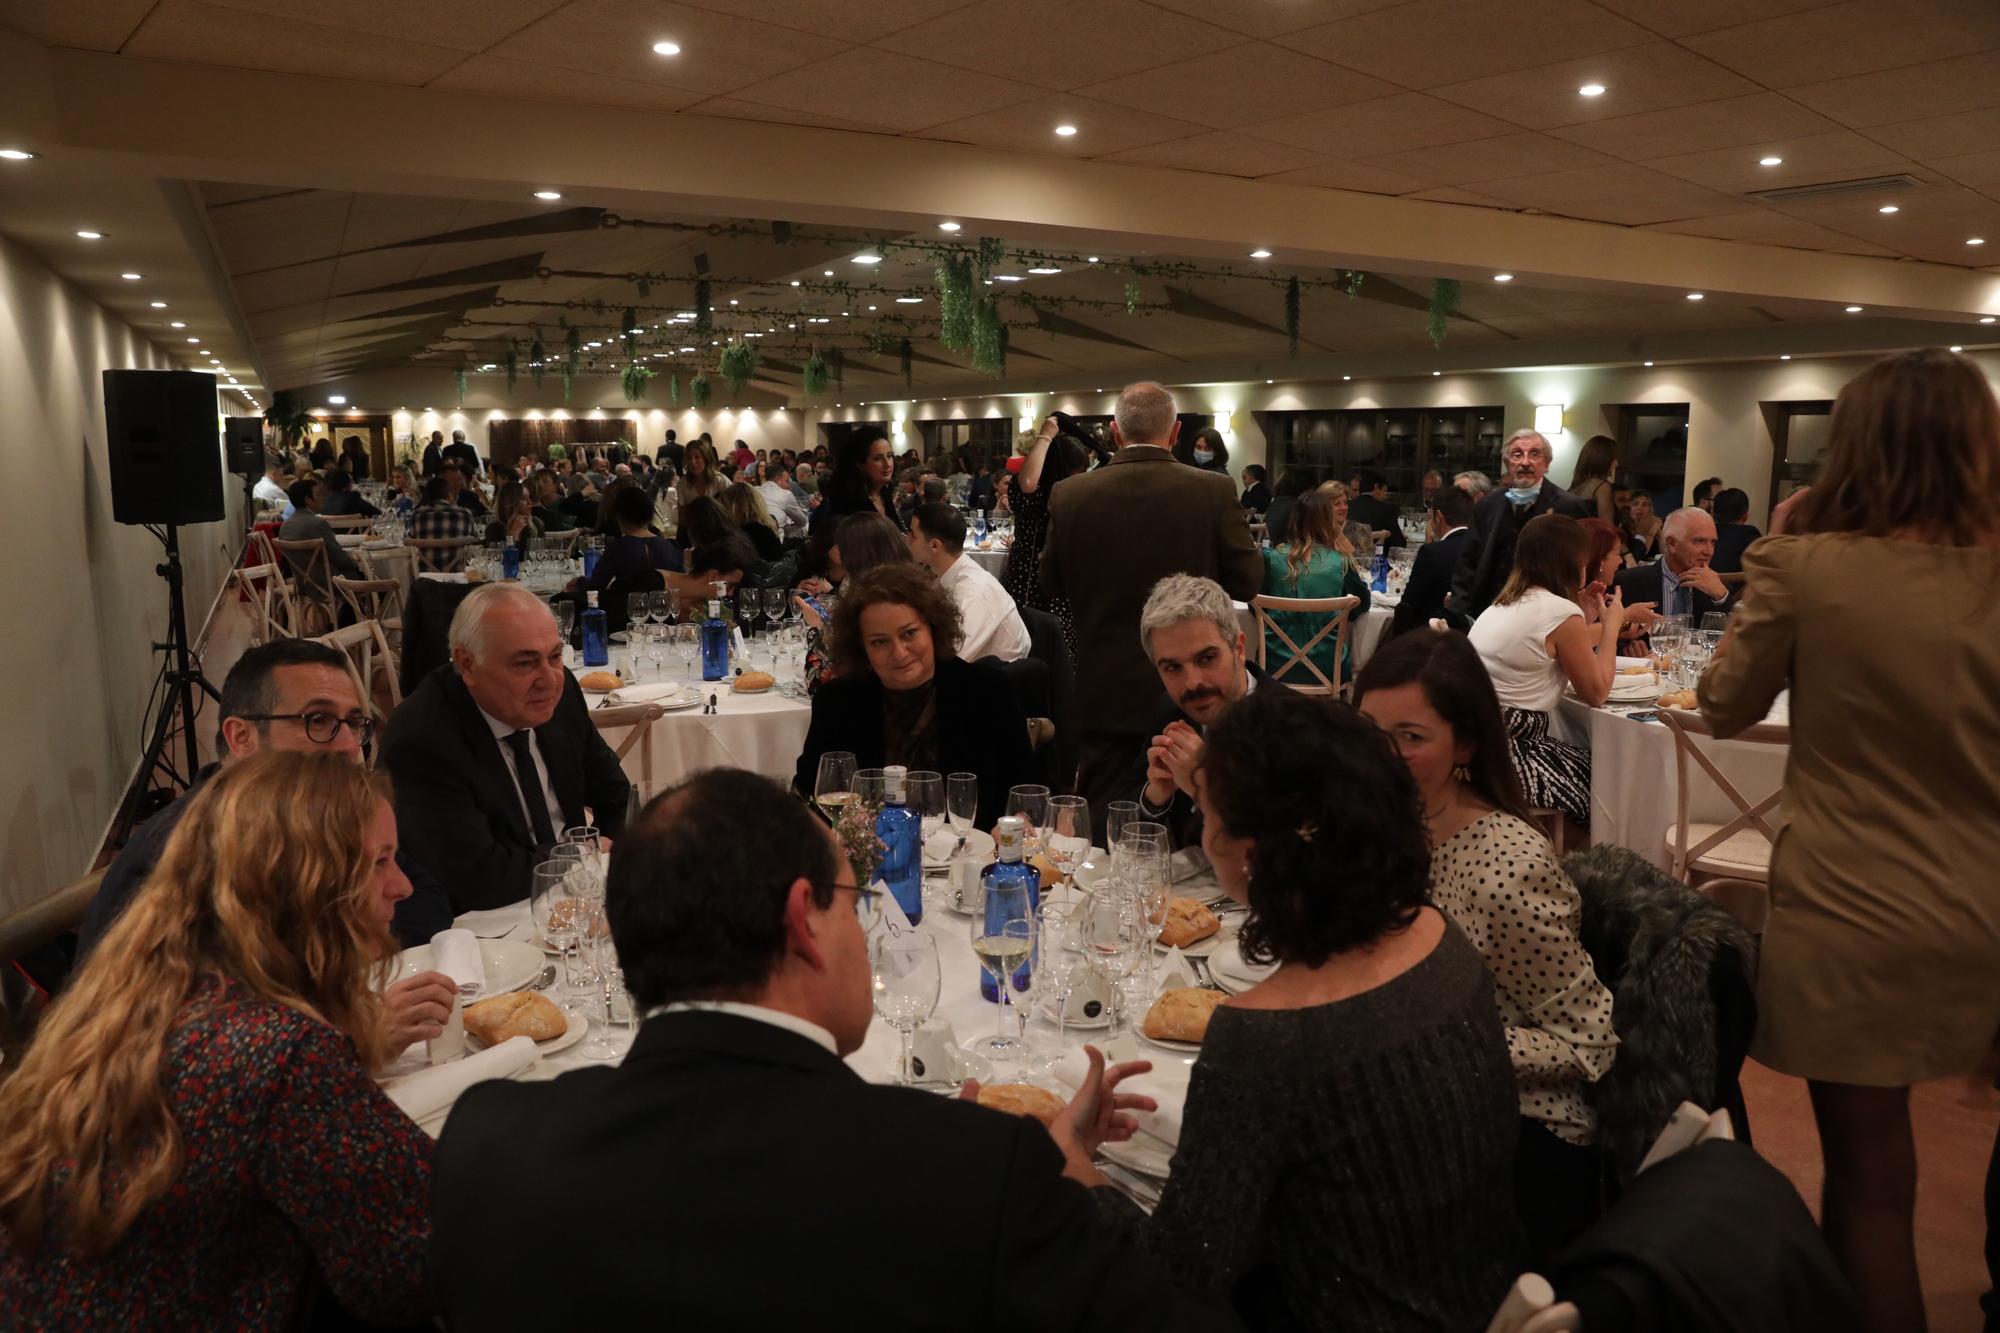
x=465, y=456
x=742, y=1177
x=1731, y=541
x=433, y=460
x=458, y=810
x=1642, y=583
x=342, y=503
x=1430, y=580
x=1489, y=557
x=979, y=724
x=1379, y=515
x=1182, y=817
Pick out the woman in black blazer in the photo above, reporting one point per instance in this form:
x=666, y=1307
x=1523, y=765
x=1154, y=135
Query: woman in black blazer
x=903, y=696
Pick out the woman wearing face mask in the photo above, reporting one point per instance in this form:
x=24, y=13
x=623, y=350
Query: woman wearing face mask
x=1206, y=451
x=1494, y=874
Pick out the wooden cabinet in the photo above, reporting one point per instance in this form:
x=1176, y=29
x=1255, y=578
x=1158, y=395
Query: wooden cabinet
x=1400, y=443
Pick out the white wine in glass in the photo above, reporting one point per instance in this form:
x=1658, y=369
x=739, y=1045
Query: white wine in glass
x=834, y=788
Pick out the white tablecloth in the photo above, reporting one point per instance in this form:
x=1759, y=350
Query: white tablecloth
x=761, y=732
x=993, y=559
x=1632, y=777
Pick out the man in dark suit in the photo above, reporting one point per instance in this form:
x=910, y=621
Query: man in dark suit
x=1371, y=505
x=494, y=754
x=434, y=454
x=463, y=454
x=342, y=499
x=740, y=1174
x=1113, y=534
x=1488, y=558
x=459, y=489
x=671, y=456
x=1256, y=489
x=1195, y=638
x=1733, y=532
x=1431, y=571
x=1681, y=581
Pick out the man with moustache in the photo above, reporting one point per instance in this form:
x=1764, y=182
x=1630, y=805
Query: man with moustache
x=1498, y=518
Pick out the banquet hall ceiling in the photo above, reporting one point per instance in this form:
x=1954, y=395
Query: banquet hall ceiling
x=1470, y=102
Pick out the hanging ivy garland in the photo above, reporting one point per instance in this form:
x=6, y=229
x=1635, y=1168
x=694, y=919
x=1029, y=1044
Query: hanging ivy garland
x=698, y=390
x=633, y=380
x=1132, y=298
x=991, y=251
x=674, y=390
x=704, y=318
x=535, y=358
x=989, y=339
x=737, y=364
x=1292, y=316
x=461, y=386
x=954, y=291
x=1444, y=301
x=906, y=355
x=814, y=376
x=628, y=332
x=513, y=364
x=1353, y=279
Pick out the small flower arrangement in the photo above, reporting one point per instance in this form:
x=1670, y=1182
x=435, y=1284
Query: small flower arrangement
x=856, y=830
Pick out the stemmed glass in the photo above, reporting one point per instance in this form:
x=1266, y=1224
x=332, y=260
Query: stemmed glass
x=961, y=802
x=635, y=614
x=774, y=604
x=1058, y=964
x=748, y=603
x=558, y=913
x=660, y=605
x=1003, y=938
x=1117, y=815
x=834, y=786
x=686, y=640
x=1031, y=803
x=1068, y=835
x=1115, y=933
x=906, y=986
x=565, y=612
x=603, y=955
x=656, y=649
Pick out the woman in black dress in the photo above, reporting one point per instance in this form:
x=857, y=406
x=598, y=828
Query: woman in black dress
x=862, y=479
x=1053, y=457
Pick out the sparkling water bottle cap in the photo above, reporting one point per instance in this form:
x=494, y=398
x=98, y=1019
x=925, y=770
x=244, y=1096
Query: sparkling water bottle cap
x=895, y=778
x=1010, y=837
x=593, y=599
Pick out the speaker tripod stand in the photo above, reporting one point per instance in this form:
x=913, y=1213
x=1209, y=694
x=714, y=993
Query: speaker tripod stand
x=179, y=677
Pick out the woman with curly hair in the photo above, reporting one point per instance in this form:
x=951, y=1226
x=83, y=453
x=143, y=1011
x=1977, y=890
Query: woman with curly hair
x=1347, y=1145
x=196, y=1130
x=903, y=696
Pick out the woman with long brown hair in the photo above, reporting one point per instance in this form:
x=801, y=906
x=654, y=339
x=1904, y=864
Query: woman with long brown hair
x=195, y=1130
x=1595, y=475
x=1876, y=601
x=1356, y=541
x=1316, y=560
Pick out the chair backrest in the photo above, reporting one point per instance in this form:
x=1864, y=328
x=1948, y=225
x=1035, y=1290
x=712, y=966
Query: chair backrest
x=390, y=562
x=1335, y=610
x=567, y=536
x=1686, y=726
x=266, y=552
x=348, y=522
x=441, y=555
x=307, y=560
x=368, y=655
x=640, y=719
x=371, y=599
x=270, y=598
x=1732, y=580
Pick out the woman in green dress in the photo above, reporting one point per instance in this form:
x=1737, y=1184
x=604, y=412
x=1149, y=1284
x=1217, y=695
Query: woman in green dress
x=1317, y=560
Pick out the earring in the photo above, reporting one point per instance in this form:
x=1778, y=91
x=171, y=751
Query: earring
x=1460, y=773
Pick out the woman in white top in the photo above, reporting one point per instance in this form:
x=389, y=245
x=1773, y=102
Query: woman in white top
x=1494, y=873
x=1535, y=638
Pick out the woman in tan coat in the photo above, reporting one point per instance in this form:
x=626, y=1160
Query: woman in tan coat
x=1880, y=608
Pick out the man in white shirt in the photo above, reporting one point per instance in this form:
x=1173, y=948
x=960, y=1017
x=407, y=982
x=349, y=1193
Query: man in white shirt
x=270, y=488
x=991, y=623
x=784, y=507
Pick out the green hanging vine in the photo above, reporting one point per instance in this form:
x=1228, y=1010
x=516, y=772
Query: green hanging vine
x=991, y=251
x=989, y=339
x=628, y=333
x=674, y=389
x=633, y=380
x=954, y=290
x=536, y=358
x=737, y=364
x=1444, y=301
x=704, y=318
x=1132, y=296
x=907, y=357
x=814, y=376
x=1352, y=281
x=1292, y=316
x=699, y=390
x=512, y=361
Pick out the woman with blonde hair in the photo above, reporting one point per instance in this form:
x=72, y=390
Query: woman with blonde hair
x=701, y=474
x=747, y=510
x=1316, y=560
x=1356, y=541
x=1884, y=933
x=196, y=1130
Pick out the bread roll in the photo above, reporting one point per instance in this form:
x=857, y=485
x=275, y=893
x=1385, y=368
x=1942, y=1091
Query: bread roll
x=516, y=1014
x=1181, y=1015
x=1022, y=1099
x=753, y=682
x=1187, y=921
x=600, y=680
x=1683, y=699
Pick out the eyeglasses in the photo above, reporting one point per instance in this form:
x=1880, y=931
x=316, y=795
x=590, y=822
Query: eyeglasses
x=321, y=728
x=867, y=902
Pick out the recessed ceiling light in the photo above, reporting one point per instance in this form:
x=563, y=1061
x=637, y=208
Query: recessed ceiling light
x=1045, y=269
x=1260, y=254
x=336, y=398
x=795, y=282
x=1889, y=208
x=1956, y=348
x=1066, y=131
x=1694, y=296
x=1266, y=381
x=1786, y=357
x=131, y=277
x=1347, y=377
x=194, y=340
x=1986, y=319
x=871, y=307
x=1772, y=161
x=176, y=324
x=687, y=349
x=1503, y=277
x=1975, y=240
x=1591, y=90
x=1008, y=277
x=1854, y=310
x=549, y=196
x=158, y=305
x=909, y=300
x=732, y=301
x=16, y=154
x=866, y=259
x=91, y=235
x=1091, y=260
x=1649, y=363
x=1436, y=373
x=947, y=226
x=826, y=272
x=666, y=49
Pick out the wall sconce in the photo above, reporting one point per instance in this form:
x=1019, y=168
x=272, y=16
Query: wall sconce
x=1549, y=418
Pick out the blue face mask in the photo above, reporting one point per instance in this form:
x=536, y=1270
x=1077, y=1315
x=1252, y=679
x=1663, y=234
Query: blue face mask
x=1523, y=495
x=1204, y=455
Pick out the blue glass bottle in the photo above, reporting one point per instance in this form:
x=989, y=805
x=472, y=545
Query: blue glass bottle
x=1010, y=846
x=1380, y=582
x=714, y=644
x=590, y=555
x=510, y=562
x=596, y=635
x=901, y=831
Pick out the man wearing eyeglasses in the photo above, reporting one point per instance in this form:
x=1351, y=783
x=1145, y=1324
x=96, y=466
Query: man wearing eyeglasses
x=289, y=694
x=1498, y=518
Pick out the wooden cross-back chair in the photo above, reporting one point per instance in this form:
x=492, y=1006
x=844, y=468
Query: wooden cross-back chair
x=270, y=599
x=312, y=589
x=441, y=555
x=640, y=719
x=371, y=662
x=379, y=600
x=567, y=536
x=1739, y=848
x=1335, y=610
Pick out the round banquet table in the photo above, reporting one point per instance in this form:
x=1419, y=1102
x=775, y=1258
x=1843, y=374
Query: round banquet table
x=1632, y=789
x=992, y=558
x=761, y=732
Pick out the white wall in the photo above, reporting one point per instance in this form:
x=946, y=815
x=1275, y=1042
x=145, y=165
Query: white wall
x=80, y=600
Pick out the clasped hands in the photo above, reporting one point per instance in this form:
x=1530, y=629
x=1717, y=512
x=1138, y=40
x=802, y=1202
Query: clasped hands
x=1170, y=763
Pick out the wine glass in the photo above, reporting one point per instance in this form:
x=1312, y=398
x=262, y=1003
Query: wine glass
x=1003, y=938
x=558, y=913
x=833, y=789
x=906, y=986
x=602, y=955
x=1068, y=835
x=635, y=612
x=660, y=605
x=1058, y=965
x=961, y=802
x=686, y=641
x=656, y=649
x=774, y=604
x=1031, y=803
x=748, y=602
x=1116, y=816
x=1115, y=934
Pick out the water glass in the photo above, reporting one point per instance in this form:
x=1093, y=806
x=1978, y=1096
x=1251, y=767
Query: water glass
x=558, y=912
x=1030, y=802
x=1068, y=834
x=1117, y=816
x=660, y=605
x=636, y=610
x=906, y=976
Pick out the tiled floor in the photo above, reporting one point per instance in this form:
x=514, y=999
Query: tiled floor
x=1955, y=1121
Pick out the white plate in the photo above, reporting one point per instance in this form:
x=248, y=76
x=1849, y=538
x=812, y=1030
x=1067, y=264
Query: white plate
x=592, y=689
x=687, y=698
x=510, y=965
x=1142, y=1153
x=1202, y=948
x=571, y=1035
x=979, y=847
x=1634, y=689
x=1625, y=662
x=1184, y=1047
x=1047, y=1013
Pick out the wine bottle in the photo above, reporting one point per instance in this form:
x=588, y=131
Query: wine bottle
x=900, y=829
x=596, y=636
x=714, y=643
x=1010, y=845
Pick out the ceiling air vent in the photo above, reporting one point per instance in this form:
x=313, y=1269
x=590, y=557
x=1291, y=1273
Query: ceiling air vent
x=1805, y=194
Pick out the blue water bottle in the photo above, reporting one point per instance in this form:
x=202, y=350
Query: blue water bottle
x=901, y=831
x=590, y=554
x=1010, y=847
x=714, y=644
x=596, y=635
x=510, y=562
x=1381, y=579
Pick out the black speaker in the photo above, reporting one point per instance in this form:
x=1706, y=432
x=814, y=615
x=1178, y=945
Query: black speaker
x=166, y=460
x=243, y=445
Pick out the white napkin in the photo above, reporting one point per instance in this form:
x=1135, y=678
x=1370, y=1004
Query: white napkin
x=1166, y=1083
x=424, y=1094
x=496, y=923
x=643, y=694
x=455, y=953
x=1176, y=968
x=1228, y=961
x=940, y=845
x=935, y=1055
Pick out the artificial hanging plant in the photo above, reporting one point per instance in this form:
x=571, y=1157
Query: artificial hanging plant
x=1132, y=298
x=513, y=364
x=989, y=339
x=536, y=358
x=737, y=364
x=991, y=251
x=907, y=357
x=698, y=390
x=814, y=376
x=460, y=377
x=1444, y=300
x=954, y=284
x=704, y=318
x=628, y=332
x=674, y=389
x=1292, y=315
x=634, y=379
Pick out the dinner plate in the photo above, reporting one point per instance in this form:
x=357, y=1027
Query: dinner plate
x=1202, y=948
x=510, y=965
x=594, y=689
x=673, y=703
x=570, y=1036
x=1142, y=1153
x=1634, y=689
x=979, y=847
x=1047, y=1013
x=1184, y=1047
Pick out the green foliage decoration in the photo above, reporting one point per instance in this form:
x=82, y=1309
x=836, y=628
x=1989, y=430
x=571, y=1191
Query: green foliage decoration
x=1444, y=301
x=954, y=284
x=633, y=380
x=737, y=364
x=814, y=377
x=699, y=390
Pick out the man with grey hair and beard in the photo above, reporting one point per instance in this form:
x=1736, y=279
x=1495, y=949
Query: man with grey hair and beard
x=1112, y=535
x=1498, y=518
x=494, y=754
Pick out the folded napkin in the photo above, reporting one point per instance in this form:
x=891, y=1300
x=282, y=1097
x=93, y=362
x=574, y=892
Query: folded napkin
x=1166, y=1083
x=495, y=923
x=455, y=953
x=1176, y=973
x=423, y=1094
x=1227, y=961
x=935, y=1055
x=643, y=694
